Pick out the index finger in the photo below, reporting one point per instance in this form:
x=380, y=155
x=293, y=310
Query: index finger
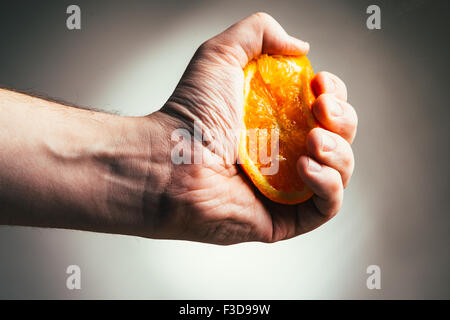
x=325, y=82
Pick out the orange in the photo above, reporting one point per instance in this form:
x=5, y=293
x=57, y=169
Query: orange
x=276, y=120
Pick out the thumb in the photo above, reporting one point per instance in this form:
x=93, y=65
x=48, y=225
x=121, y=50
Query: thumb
x=256, y=34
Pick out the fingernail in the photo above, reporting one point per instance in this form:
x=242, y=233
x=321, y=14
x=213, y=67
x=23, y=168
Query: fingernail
x=313, y=166
x=328, y=143
x=335, y=108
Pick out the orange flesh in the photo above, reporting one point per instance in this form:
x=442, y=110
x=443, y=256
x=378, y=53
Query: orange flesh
x=278, y=98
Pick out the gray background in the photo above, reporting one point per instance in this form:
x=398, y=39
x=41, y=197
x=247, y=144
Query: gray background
x=128, y=58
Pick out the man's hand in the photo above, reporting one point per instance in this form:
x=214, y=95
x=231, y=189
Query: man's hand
x=214, y=201
x=71, y=168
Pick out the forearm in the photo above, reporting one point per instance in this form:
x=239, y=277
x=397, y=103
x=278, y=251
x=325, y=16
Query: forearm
x=72, y=168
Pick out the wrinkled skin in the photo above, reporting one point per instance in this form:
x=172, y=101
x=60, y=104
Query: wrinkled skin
x=214, y=201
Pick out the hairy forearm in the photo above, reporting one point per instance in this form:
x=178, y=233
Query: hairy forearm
x=79, y=169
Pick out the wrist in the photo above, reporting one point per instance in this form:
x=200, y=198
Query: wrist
x=72, y=168
x=135, y=170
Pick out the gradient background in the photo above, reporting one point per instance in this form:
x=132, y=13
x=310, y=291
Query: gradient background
x=129, y=56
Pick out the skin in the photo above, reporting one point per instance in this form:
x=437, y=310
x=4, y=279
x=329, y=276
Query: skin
x=72, y=168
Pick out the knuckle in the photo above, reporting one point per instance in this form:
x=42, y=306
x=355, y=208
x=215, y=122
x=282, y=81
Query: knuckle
x=337, y=206
x=340, y=83
x=261, y=15
x=335, y=210
x=355, y=118
x=348, y=161
x=346, y=178
x=347, y=151
x=347, y=171
x=351, y=125
x=334, y=206
x=344, y=87
x=336, y=184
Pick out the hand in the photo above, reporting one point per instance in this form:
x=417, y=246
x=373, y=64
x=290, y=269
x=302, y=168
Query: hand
x=78, y=169
x=214, y=201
